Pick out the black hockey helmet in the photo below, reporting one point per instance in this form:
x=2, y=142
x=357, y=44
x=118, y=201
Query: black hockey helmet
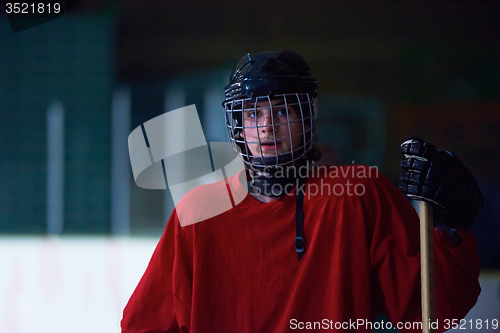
x=270, y=73
x=266, y=76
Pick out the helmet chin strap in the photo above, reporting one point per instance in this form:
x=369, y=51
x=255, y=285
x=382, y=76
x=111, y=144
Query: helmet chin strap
x=266, y=164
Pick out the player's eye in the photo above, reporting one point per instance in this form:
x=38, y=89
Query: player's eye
x=252, y=114
x=281, y=112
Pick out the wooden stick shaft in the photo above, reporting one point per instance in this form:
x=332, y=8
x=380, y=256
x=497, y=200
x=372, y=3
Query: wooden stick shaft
x=427, y=266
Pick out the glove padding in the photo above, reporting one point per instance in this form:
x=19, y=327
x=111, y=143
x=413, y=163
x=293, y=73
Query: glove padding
x=438, y=176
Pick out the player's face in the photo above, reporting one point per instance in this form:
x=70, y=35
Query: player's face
x=271, y=129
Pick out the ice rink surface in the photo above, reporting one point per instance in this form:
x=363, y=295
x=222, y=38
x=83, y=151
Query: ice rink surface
x=81, y=284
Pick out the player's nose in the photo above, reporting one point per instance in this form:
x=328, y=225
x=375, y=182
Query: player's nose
x=267, y=121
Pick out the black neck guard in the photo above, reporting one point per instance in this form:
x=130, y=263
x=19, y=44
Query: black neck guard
x=277, y=181
x=275, y=184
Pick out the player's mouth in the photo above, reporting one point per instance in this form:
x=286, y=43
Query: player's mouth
x=270, y=145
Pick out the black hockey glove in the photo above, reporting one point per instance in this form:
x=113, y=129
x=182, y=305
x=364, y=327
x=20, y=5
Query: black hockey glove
x=437, y=176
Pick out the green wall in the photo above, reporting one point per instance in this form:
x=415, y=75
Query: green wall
x=70, y=59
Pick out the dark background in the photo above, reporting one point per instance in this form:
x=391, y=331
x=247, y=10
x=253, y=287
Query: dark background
x=386, y=70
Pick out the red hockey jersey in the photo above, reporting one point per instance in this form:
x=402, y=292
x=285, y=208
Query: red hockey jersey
x=238, y=271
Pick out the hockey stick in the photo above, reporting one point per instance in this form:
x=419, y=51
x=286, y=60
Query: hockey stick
x=427, y=266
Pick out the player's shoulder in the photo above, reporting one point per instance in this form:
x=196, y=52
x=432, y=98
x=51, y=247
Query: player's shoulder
x=363, y=178
x=206, y=201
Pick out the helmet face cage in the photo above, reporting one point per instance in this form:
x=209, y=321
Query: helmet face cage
x=241, y=120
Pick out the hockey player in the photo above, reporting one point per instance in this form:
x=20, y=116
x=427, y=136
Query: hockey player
x=301, y=251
